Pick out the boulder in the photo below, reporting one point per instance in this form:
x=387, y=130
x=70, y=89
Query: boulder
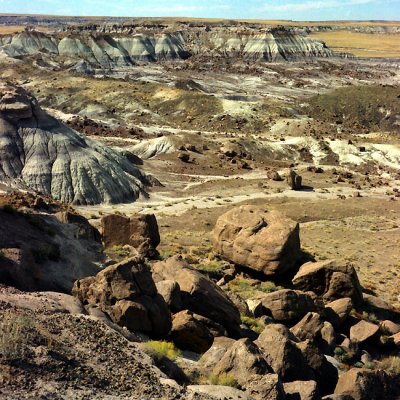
x=338, y=310
x=294, y=180
x=313, y=327
x=244, y=362
x=366, y=384
x=217, y=392
x=214, y=354
x=288, y=305
x=380, y=308
x=171, y=293
x=255, y=307
x=199, y=294
x=139, y=231
x=188, y=332
x=330, y=279
x=282, y=354
x=389, y=327
x=363, y=331
x=301, y=390
x=326, y=375
x=265, y=241
x=127, y=294
x=83, y=229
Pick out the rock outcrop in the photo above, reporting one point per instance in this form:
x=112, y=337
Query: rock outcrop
x=38, y=252
x=264, y=241
x=127, y=293
x=39, y=153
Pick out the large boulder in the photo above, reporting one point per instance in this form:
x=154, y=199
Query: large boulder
x=139, y=231
x=330, y=279
x=366, y=384
x=283, y=355
x=127, y=294
x=287, y=305
x=199, y=294
x=265, y=241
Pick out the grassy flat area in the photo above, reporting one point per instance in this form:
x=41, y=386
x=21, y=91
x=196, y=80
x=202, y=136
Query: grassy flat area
x=362, y=44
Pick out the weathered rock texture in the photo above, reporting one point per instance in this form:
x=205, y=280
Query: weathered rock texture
x=39, y=153
x=198, y=293
x=38, y=252
x=265, y=241
x=139, y=231
x=127, y=293
x=330, y=279
x=364, y=384
x=108, y=50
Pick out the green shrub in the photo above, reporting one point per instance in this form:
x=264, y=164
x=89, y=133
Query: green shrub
x=14, y=335
x=160, y=349
x=254, y=324
x=390, y=364
x=223, y=379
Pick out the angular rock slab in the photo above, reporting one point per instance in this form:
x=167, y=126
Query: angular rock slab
x=264, y=241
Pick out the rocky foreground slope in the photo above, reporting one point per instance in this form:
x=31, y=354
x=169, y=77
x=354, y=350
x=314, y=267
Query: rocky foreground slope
x=318, y=335
x=39, y=153
x=115, y=49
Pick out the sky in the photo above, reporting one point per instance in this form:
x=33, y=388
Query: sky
x=301, y=10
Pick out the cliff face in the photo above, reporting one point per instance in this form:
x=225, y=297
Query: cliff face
x=39, y=153
x=107, y=50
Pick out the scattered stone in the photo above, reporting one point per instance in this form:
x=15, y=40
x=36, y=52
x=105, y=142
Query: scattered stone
x=312, y=327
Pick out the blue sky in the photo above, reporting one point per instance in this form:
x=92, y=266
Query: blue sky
x=254, y=9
